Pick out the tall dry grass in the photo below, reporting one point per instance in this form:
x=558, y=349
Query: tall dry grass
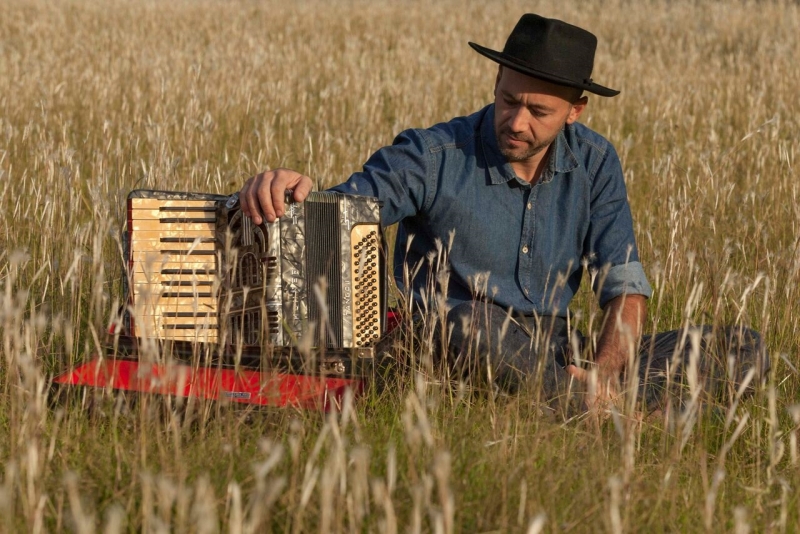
x=97, y=98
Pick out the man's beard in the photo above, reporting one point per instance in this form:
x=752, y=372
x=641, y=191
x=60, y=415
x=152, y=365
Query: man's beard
x=523, y=153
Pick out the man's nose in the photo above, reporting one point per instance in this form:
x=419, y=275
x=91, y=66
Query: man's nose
x=518, y=121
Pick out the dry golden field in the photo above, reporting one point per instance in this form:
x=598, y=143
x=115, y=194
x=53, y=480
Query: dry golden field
x=98, y=97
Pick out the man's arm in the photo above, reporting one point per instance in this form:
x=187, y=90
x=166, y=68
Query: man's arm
x=623, y=322
x=401, y=175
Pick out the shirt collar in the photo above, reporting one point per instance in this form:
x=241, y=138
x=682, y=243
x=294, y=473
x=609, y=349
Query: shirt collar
x=562, y=159
x=500, y=170
x=565, y=160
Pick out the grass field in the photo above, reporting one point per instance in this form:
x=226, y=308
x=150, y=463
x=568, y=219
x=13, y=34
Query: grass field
x=98, y=97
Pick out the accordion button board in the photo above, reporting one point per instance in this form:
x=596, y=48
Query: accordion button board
x=366, y=250
x=201, y=271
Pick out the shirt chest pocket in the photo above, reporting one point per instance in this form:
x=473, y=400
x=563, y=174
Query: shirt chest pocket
x=485, y=225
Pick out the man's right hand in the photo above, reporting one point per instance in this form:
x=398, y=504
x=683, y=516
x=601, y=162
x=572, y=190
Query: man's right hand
x=262, y=196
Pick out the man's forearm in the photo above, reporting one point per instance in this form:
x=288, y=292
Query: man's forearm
x=622, y=328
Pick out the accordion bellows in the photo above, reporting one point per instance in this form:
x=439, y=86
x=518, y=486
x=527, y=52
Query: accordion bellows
x=201, y=271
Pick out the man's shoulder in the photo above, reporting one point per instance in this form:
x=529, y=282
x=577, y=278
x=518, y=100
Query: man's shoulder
x=584, y=139
x=593, y=152
x=455, y=133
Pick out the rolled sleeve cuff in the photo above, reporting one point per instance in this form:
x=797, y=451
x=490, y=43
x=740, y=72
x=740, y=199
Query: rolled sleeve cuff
x=626, y=279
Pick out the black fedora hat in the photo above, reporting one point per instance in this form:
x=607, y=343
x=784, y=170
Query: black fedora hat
x=551, y=50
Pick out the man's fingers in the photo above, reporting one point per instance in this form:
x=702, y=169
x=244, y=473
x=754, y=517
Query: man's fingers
x=263, y=196
x=302, y=188
x=278, y=187
x=286, y=180
x=600, y=393
x=244, y=199
x=577, y=373
x=263, y=201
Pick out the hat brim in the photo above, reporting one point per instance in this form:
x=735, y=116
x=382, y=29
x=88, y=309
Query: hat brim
x=524, y=68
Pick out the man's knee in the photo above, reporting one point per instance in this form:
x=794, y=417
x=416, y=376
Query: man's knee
x=485, y=340
x=725, y=358
x=745, y=351
x=476, y=325
x=736, y=351
x=461, y=322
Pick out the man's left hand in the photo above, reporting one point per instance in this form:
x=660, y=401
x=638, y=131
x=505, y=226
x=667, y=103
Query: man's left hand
x=602, y=386
x=622, y=327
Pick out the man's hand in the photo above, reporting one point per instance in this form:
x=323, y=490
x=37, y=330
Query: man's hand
x=602, y=386
x=262, y=196
x=619, y=339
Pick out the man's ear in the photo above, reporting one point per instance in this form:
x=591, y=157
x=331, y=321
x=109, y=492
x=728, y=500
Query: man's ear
x=577, y=109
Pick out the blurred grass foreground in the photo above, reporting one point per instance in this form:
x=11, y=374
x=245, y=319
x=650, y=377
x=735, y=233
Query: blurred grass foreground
x=99, y=97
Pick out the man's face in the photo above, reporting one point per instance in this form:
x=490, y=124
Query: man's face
x=530, y=112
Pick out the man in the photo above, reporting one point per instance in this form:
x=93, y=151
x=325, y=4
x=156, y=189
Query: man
x=529, y=199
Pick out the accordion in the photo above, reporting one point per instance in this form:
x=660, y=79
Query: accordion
x=309, y=287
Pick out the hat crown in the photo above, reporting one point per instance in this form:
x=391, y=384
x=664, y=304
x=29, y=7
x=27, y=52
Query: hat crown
x=553, y=46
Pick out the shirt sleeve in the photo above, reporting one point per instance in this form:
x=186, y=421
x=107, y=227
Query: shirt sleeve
x=611, y=242
x=399, y=175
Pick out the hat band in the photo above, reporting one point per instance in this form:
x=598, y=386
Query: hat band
x=585, y=83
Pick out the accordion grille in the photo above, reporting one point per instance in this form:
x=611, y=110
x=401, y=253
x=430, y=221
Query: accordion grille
x=323, y=262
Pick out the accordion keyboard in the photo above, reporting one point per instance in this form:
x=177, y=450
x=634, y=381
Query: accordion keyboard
x=173, y=268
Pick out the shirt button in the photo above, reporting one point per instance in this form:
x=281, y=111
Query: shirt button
x=529, y=206
x=525, y=249
x=526, y=290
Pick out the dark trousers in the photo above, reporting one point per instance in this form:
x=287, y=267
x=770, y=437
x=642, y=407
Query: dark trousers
x=484, y=341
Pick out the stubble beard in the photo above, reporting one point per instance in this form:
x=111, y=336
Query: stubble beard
x=522, y=153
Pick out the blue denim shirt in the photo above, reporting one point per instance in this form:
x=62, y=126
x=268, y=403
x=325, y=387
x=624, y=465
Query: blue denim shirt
x=519, y=245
